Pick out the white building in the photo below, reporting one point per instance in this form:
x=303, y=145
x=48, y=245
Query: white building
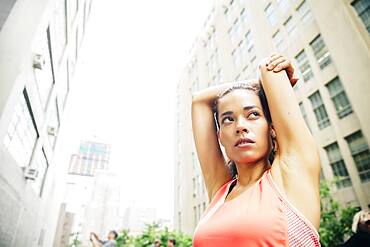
x=329, y=44
x=137, y=215
x=39, y=45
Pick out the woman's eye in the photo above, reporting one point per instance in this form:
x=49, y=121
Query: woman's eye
x=254, y=114
x=227, y=120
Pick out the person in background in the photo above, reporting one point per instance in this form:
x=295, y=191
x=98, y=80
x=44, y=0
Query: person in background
x=110, y=242
x=157, y=243
x=361, y=228
x=171, y=242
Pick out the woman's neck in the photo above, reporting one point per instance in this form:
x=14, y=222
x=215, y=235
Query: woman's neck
x=248, y=174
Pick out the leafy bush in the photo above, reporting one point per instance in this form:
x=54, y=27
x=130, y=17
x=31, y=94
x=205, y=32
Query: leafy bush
x=336, y=220
x=150, y=234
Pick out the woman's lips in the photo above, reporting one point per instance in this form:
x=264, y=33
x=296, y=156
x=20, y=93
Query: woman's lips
x=244, y=142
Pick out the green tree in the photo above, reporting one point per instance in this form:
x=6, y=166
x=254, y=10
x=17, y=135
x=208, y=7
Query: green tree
x=75, y=241
x=124, y=239
x=336, y=220
x=150, y=234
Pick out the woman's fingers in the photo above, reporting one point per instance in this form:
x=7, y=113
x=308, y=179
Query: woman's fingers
x=277, y=64
x=273, y=57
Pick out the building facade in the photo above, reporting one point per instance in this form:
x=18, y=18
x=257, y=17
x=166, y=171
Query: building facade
x=329, y=44
x=64, y=228
x=92, y=192
x=39, y=46
x=137, y=215
x=92, y=156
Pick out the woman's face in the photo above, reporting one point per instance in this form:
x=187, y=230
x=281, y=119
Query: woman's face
x=244, y=130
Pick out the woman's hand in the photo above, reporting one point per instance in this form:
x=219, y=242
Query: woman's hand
x=277, y=62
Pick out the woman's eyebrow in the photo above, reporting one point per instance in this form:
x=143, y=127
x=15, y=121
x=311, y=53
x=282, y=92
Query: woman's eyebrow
x=226, y=113
x=246, y=108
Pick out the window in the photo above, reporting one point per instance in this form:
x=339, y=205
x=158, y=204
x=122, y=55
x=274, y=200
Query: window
x=59, y=23
x=22, y=134
x=249, y=41
x=195, y=86
x=271, y=14
x=322, y=177
x=72, y=53
x=53, y=125
x=304, y=114
x=44, y=76
x=63, y=83
x=278, y=40
x=240, y=2
x=304, y=66
x=321, y=52
x=195, y=161
x=211, y=44
x=194, y=187
x=233, y=35
x=243, y=51
x=40, y=163
x=72, y=9
x=179, y=219
x=6, y=7
x=290, y=26
x=319, y=109
x=362, y=8
x=218, y=77
x=339, y=98
x=360, y=154
x=305, y=12
x=338, y=166
x=233, y=6
x=284, y=6
x=236, y=57
x=244, y=16
x=195, y=215
x=229, y=15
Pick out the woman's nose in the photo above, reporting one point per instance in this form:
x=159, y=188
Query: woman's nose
x=241, y=126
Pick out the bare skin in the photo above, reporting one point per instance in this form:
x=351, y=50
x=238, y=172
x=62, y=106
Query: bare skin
x=296, y=166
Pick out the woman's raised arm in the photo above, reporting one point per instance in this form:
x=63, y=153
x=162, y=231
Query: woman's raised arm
x=214, y=167
x=296, y=168
x=291, y=130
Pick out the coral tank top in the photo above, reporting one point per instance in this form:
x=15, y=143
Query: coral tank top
x=260, y=216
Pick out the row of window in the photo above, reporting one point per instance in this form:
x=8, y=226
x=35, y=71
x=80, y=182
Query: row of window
x=282, y=7
x=290, y=27
x=23, y=131
x=339, y=99
x=361, y=157
x=243, y=53
x=87, y=166
x=198, y=211
x=362, y=8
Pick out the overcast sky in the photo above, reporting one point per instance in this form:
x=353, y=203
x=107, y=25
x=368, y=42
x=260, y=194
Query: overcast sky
x=125, y=87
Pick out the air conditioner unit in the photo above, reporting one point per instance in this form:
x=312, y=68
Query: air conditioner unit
x=30, y=173
x=51, y=131
x=38, y=61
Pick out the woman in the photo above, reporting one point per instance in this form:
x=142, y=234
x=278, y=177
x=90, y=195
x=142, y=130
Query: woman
x=266, y=204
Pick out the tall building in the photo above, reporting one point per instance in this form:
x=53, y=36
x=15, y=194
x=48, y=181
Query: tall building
x=102, y=210
x=93, y=192
x=91, y=156
x=137, y=215
x=39, y=45
x=64, y=228
x=329, y=44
